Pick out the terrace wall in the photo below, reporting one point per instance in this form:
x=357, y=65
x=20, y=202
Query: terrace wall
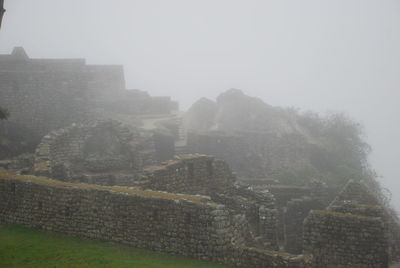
x=346, y=240
x=185, y=225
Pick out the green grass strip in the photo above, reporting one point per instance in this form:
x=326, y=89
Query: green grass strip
x=22, y=247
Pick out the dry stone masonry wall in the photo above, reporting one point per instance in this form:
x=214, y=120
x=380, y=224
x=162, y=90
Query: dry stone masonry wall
x=171, y=224
x=234, y=225
x=354, y=231
x=48, y=94
x=102, y=153
x=190, y=174
x=200, y=174
x=346, y=240
x=356, y=192
x=186, y=225
x=296, y=211
x=251, y=154
x=293, y=204
x=355, y=198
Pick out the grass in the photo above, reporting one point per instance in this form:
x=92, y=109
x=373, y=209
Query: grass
x=21, y=247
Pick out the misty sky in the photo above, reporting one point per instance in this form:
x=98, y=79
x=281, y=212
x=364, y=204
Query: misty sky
x=323, y=55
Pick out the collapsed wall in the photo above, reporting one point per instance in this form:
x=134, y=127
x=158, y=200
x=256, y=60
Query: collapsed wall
x=185, y=225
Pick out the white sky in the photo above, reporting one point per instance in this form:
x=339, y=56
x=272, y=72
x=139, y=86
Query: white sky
x=341, y=55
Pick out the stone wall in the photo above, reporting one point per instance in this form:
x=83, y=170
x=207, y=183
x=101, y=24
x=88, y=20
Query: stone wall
x=43, y=101
x=139, y=102
x=296, y=211
x=22, y=164
x=190, y=174
x=177, y=224
x=284, y=193
x=251, y=154
x=105, y=153
x=185, y=225
x=257, y=258
x=63, y=156
x=345, y=240
x=355, y=208
x=43, y=94
x=48, y=94
x=356, y=198
x=204, y=175
x=293, y=205
x=358, y=192
x=105, y=81
x=260, y=214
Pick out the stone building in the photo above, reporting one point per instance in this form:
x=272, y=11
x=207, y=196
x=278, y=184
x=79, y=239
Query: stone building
x=104, y=153
x=47, y=94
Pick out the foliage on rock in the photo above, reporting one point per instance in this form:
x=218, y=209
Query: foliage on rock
x=329, y=148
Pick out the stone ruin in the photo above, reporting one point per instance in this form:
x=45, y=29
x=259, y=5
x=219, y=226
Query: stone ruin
x=357, y=200
x=251, y=154
x=105, y=153
x=47, y=94
x=351, y=232
x=194, y=206
x=225, y=223
x=128, y=184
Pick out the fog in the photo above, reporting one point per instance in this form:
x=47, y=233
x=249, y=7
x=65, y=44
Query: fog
x=319, y=55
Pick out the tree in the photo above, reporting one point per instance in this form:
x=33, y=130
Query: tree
x=3, y=114
x=2, y=10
